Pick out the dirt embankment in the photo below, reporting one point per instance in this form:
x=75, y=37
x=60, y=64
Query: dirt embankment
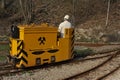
x=85, y=14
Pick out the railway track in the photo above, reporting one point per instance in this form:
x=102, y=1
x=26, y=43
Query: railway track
x=110, y=73
x=4, y=42
x=83, y=74
x=7, y=69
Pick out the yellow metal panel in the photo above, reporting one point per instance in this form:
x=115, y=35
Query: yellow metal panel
x=21, y=33
x=14, y=48
x=69, y=32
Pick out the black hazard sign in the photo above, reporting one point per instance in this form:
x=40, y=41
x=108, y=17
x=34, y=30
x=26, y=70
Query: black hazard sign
x=42, y=40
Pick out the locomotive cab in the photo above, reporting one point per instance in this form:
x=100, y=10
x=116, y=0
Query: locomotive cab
x=38, y=44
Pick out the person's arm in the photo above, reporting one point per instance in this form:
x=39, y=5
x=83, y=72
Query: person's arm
x=59, y=28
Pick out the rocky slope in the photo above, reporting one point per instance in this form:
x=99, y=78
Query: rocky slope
x=85, y=14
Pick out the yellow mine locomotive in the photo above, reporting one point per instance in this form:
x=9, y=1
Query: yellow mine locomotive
x=33, y=45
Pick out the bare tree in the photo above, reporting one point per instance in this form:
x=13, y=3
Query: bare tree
x=108, y=11
x=2, y=4
x=26, y=8
x=29, y=10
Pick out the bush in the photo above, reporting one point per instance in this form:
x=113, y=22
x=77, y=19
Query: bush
x=2, y=58
x=83, y=53
x=4, y=47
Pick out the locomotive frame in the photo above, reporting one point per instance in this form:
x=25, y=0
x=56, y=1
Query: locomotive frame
x=33, y=45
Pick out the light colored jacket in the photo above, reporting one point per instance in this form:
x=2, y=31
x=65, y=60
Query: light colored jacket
x=62, y=26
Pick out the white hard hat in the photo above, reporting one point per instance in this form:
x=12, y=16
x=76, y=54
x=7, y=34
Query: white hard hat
x=66, y=17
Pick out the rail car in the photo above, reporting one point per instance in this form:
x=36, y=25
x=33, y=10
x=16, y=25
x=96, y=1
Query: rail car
x=34, y=45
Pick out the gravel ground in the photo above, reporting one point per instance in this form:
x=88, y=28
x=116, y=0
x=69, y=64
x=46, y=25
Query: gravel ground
x=105, y=48
x=115, y=76
x=99, y=49
x=62, y=71
x=114, y=63
x=55, y=73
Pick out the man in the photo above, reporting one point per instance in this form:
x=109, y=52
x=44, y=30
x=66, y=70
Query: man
x=63, y=25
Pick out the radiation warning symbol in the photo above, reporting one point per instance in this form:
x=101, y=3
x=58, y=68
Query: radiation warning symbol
x=42, y=40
